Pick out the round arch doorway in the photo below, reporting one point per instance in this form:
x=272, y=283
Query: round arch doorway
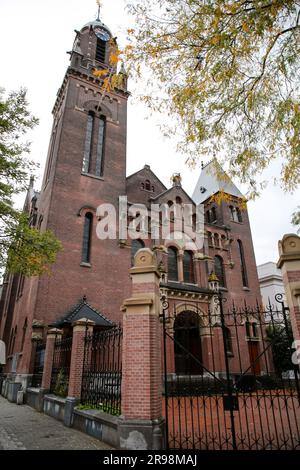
x=187, y=344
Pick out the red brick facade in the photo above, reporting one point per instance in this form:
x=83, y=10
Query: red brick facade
x=68, y=193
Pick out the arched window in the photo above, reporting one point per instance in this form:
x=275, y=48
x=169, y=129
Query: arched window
x=24, y=333
x=136, y=245
x=213, y=215
x=88, y=143
x=87, y=237
x=172, y=264
x=178, y=200
x=210, y=239
x=101, y=51
x=228, y=340
x=243, y=264
x=239, y=215
x=100, y=147
x=188, y=267
x=219, y=270
x=147, y=185
x=207, y=217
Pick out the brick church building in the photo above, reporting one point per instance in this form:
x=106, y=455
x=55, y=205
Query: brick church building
x=86, y=167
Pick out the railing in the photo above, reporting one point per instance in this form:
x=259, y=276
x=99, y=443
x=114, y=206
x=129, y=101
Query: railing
x=102, y=371
x=38, y=367
x=61, y=366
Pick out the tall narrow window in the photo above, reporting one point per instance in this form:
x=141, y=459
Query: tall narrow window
x=100, y=148
x=21, y=286
x=172, y=264
x=228, y=340
x=136, y=245
x=87, y=238
x=51, y=152
x=24, y=334
x=243, y=264
x=101, y=50
x=188, y=267
x=248, y=329
x=239, y=215
x=147, y=185
x=219, y=270
x=213, y=215
x=14, y=340
x=88, y=143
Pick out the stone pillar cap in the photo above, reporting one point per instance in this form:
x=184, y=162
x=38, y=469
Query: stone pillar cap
x=55, y=331
x=289, y=249
x=84, y=322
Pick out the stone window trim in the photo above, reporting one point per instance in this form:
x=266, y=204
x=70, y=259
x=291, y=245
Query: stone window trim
x=86, y=208
x=90, y=175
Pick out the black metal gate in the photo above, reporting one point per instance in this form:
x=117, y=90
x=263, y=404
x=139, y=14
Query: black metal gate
x=239, y=390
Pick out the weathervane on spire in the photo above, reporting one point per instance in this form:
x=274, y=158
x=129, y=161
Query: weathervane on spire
x=99, y=9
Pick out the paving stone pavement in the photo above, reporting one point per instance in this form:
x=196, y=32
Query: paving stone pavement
x=23, y=428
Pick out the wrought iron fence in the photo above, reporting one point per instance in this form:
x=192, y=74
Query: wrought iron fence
x=229, y=380
x=61, y=366
x=38, y=367
x=102, y=371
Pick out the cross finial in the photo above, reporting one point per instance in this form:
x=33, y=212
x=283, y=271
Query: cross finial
x=99, y=9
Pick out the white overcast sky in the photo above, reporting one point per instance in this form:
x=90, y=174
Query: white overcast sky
x=34, y=38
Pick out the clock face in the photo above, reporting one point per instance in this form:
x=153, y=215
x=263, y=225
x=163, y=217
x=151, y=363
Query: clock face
x=102, y=34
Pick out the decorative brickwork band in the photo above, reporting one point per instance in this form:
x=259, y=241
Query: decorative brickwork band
x=289, y=262
x=80, y=329
x=48, y=362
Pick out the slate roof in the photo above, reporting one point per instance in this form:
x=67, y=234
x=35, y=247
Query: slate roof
x=208, y=184
x=83, y=310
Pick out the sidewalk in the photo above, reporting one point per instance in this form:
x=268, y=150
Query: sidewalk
x=22, y=428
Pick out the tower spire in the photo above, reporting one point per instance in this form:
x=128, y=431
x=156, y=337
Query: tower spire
x=99, y=9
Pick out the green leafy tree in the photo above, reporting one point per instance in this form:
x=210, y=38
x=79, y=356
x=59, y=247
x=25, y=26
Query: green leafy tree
x=281, y=339
x=296, y=219
x=23, y=249
x=228, y=73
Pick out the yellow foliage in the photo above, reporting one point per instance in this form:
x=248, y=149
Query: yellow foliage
x=100, y=73
x=114, y=58
x=245, y=27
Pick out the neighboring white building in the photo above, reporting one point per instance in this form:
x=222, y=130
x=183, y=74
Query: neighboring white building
x=270, y=280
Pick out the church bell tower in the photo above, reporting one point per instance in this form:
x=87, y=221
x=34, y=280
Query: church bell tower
x=86, y=167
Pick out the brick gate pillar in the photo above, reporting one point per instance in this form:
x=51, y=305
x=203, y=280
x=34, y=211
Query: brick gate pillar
x=141, y=424
x=48, y=361
x=289, y=263
x=81, y=328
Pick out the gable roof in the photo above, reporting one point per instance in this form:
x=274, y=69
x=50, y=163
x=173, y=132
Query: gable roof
x=148, y=169
x=176, y=189
x=209, y=183
x=83, y=310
